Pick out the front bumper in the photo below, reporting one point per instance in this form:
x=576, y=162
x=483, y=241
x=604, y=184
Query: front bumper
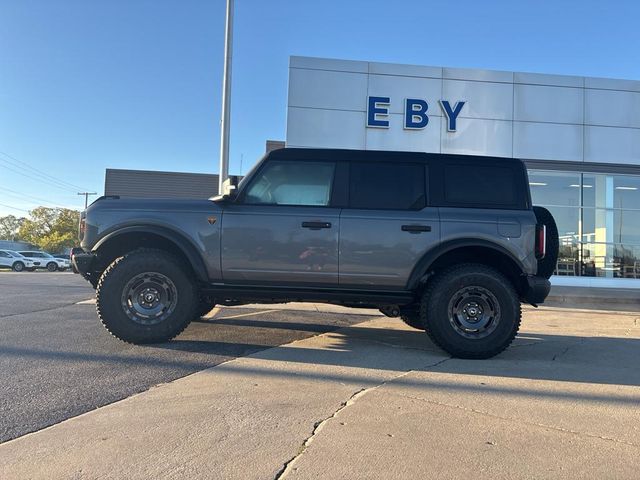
x=81, y=261
x=536, y=290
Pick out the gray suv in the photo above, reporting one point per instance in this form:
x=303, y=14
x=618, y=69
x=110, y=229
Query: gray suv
x=451, y=244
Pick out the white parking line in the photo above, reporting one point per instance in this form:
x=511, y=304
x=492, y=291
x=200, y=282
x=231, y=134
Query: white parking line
x=91, y=301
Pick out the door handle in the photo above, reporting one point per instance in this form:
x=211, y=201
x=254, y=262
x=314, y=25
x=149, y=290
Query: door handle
x=416, y=228
x=316, y=225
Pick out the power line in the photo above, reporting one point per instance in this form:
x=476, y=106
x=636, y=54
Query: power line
x=29, y=197
x=51, y=184
x=15, y=208
x=14, y=162
x=38, y=171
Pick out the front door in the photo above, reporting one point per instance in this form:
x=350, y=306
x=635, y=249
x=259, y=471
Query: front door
x=282, y=228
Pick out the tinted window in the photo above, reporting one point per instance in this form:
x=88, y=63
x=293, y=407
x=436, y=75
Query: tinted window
x=480, y=185
x=3, y=254
x=292, y=183
x=384, y=186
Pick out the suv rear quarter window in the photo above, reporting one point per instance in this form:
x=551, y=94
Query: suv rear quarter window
x=482, y=185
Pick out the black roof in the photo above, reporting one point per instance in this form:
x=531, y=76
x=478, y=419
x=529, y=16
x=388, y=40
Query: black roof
x=375, y=155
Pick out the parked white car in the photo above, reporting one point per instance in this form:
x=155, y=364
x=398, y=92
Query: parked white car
x=46, y=260
x=15, y=261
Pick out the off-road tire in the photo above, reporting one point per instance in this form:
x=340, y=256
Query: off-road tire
x=52, y=266
x=112, y=307
x=436, y=307
x=547, y=265
x=17, y=267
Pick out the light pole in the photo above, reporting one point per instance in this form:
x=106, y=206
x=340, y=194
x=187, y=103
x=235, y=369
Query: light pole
x=226, y=98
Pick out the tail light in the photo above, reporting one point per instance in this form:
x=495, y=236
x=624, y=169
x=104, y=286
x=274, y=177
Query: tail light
x=541, y=241
x=82, y=228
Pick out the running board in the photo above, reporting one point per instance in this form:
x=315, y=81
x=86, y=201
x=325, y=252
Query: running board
x=279, y=294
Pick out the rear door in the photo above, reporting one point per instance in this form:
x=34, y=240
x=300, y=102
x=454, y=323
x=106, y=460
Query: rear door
x=283, y=229
x=387, y=226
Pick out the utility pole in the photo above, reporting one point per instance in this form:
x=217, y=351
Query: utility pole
x=226, y=98
x=86, y=197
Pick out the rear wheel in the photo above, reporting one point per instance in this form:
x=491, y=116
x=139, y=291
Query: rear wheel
x=52, y=266
x=18, y=267
x=471, y=311
x=146, y=297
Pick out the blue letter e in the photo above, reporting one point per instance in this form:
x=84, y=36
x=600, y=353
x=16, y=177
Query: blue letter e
x=378, y=106
x=415, y=113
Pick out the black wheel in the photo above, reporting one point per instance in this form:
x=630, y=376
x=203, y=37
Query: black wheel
x=205, y=305
x=17, y=267
x=146, y=297
x=52, y=266
x=547, y=265
x=471, y=311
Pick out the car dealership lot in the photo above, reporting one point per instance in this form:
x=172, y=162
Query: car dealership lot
x=372, y=400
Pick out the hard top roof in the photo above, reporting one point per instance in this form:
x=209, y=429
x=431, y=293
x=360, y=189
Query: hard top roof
x=326, y=154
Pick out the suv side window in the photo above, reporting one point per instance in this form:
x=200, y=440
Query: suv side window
x=292, y=183
x=387, y=186
x=489, y=186
x=4, y=254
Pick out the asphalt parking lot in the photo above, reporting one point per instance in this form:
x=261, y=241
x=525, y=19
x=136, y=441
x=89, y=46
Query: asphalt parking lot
x=57, y=361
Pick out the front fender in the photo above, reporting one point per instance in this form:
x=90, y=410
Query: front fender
x=185, y=245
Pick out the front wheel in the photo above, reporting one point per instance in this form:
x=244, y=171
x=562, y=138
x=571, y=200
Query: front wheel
x=471, y=311
x=146, y=296
x=18, y=267
x=52, y=267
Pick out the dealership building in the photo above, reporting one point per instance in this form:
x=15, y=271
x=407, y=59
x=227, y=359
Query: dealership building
x=579, y=137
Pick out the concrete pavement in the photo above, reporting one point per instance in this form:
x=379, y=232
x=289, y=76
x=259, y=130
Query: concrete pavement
x=375, y=400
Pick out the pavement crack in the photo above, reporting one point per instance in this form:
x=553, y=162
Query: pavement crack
x=319, y=425
x=519, y=420
x=286, y=468
x=558, y=355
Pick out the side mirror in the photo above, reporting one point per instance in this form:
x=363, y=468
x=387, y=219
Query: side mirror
x=229, y=189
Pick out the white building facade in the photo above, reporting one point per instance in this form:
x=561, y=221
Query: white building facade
x=579, y=136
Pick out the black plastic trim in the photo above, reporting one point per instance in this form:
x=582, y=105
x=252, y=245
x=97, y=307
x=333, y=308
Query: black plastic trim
x=185, y=246
x=537, y=290
x=422, y=267
x=290, y=294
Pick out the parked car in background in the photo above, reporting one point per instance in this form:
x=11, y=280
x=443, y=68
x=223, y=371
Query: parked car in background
x=15, y=261
x=46, y=260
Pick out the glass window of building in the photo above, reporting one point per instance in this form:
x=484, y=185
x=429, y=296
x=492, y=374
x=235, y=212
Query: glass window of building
x=598, y=217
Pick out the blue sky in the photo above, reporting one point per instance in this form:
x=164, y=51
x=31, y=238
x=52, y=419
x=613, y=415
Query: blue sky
x=88, y=84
